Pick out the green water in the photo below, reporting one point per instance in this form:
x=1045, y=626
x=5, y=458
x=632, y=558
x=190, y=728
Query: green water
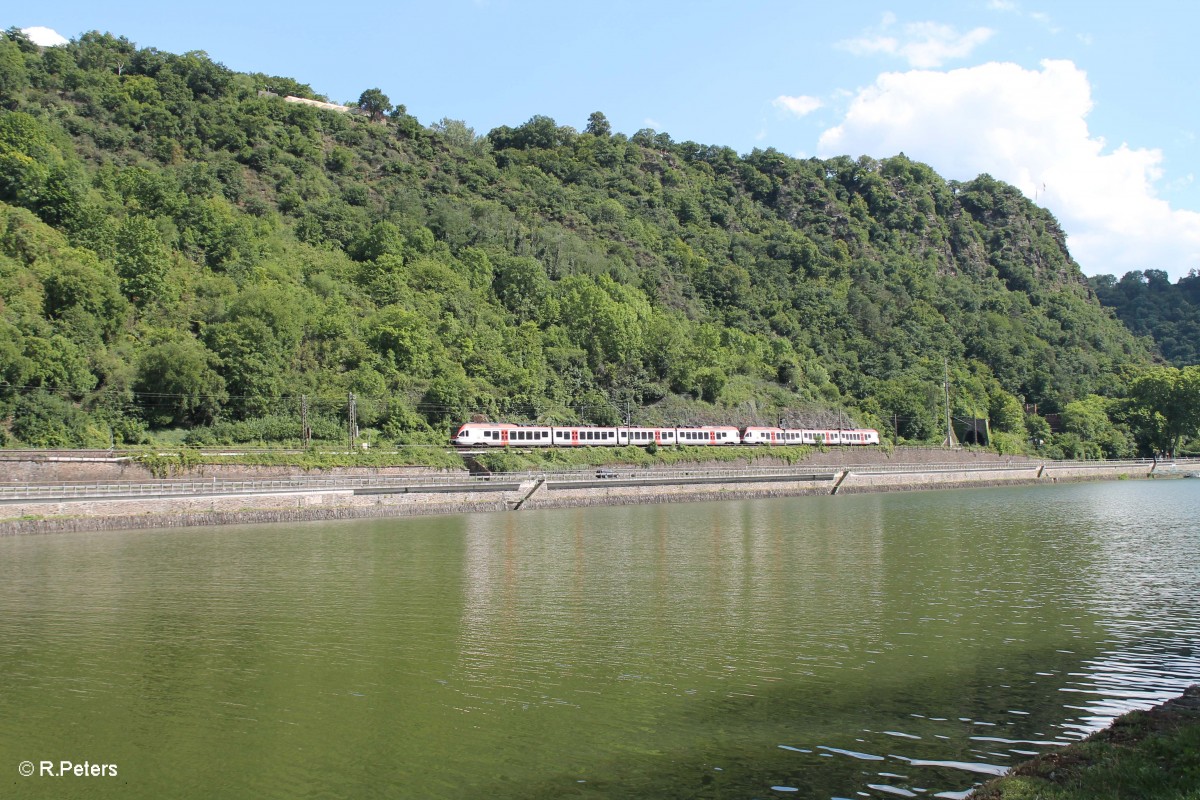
x=815, y=647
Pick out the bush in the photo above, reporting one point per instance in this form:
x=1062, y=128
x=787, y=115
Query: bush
x=47, y=420
x=275, y=428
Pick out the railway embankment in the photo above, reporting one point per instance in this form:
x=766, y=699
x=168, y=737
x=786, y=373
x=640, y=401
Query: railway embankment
x=229, y=494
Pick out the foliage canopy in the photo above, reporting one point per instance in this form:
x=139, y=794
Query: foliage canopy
x=179, y=248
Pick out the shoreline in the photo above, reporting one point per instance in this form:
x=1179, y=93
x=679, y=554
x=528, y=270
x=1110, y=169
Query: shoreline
x=540, y=492
x=1138, y=755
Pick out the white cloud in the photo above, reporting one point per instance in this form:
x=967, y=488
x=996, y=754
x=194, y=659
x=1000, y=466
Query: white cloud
x=922, y=44
x=1029, y=128
x=800, y=105
x=44, y=37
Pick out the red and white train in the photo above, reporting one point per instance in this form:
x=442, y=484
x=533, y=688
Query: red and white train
x=506, y=434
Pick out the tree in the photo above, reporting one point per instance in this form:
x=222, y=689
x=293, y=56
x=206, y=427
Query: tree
x=1166, y=406
x=597, y=125
x=13, y=78
x=375, y=104
x=142, y=259
x=178, y=383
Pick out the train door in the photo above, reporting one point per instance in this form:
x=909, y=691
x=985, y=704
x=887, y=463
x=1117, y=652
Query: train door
x=503, y=437
x=574, y=436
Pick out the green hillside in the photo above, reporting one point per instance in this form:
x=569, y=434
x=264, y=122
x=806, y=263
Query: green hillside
x=183, y=250
x=1150, y=305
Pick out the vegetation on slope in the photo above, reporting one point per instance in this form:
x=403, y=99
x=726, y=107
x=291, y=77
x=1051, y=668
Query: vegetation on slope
x=183, y=251
x=1150, y=305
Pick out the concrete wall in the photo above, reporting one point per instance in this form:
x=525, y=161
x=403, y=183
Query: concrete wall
x=633, y=495
x=344, y=504
x=240, y=509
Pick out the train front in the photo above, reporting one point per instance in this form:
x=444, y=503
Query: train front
x=464, y=437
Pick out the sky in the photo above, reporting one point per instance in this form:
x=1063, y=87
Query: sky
x=1089, y=108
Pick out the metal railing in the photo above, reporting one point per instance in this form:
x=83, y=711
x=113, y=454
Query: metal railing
x=96, y=490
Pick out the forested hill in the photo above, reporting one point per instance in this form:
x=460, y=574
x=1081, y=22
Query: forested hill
x=1149, y=304
x=180, y=248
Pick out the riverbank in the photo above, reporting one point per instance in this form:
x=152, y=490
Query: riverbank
x=219, y=495
x=1143, y=754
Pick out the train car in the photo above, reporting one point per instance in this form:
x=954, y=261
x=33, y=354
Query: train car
x=708, y=435
x=758, y=434
x=843, y=436
x=861, y=436
x=585, y=436
x=643, y=437
x=502, y=434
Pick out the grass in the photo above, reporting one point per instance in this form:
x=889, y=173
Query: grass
x=175, y=462
x=1143, y=754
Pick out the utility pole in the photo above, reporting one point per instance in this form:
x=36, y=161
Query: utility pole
x=946, y=388
x=352, y=420
x=305, y=428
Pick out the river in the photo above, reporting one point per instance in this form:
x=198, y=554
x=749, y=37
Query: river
x=892, y=645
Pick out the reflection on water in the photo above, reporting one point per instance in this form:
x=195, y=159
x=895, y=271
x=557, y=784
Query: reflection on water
x=863, y=646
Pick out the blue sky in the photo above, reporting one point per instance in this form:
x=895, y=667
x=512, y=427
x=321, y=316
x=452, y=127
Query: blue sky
x=1089, y=108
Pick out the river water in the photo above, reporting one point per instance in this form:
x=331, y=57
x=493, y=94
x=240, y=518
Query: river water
x=880, y=646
